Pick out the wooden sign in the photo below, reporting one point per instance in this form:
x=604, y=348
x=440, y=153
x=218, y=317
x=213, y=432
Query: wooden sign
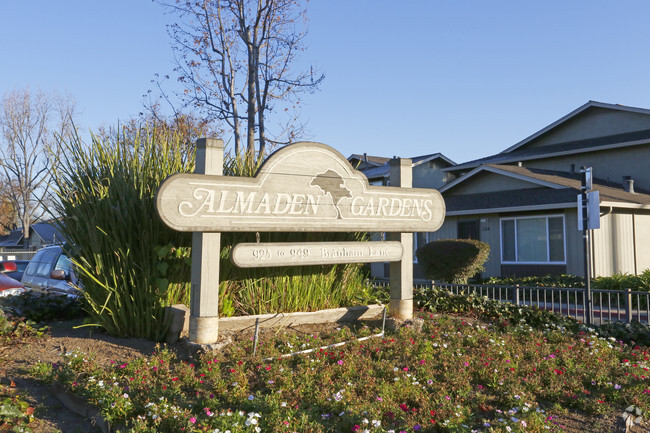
x=250, y=255
x=301, y=187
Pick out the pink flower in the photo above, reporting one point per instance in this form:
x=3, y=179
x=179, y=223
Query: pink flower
x=193, y=420
x=340, y=362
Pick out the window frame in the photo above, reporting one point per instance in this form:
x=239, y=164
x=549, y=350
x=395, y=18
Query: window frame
x=548, y=240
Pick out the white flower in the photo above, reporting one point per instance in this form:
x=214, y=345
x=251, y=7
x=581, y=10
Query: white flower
x=376, y=423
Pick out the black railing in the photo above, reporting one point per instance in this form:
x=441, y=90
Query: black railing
x=607, y=305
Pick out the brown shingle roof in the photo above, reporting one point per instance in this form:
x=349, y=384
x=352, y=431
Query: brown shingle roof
x=569, y=184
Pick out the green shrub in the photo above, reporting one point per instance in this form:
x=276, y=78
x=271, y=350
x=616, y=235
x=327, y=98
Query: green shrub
x=453, y=260
x=563, y=281
x=630, y=333
x=618, y=281
x=505, y=313
x=124, y=253
x=43, y=307
x=132, y=265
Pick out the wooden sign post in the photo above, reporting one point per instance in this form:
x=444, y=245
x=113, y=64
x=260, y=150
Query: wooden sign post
x=400, y=305
x=206, y=254
x=306, y=187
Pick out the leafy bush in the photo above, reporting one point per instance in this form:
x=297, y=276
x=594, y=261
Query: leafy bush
x=132, y=265
x=506, y=313
x=43, y=307
x=631, y=333
x=18, y=330
x=453, y=260
x=442, y=301
x=106, y=196
x=15, y=413
x=621, y=281
x=617, y=281
x=564, y=281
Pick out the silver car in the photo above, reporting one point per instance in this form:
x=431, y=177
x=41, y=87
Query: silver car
x=51, y=271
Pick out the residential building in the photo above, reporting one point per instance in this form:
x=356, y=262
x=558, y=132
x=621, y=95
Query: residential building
x=428, y=172
x=40, y=235
x=523, y=200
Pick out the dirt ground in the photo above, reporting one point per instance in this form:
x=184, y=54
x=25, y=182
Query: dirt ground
x=52, y=416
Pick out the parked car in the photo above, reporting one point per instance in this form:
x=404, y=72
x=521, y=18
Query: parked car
x=51, y=271
x=9, y=286
x=14, y=268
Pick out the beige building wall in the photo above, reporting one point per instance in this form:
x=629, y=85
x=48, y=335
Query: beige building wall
x=595, y=122
x=642, y=242
x=621, y=244
x=613, y=245
x=610, y=165
x=490, y=182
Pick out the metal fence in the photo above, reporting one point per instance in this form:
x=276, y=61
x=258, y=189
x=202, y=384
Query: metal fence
x=17, y=255
x=607, y=305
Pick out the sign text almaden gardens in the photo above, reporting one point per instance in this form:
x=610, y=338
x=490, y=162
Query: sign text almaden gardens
x=301, y=187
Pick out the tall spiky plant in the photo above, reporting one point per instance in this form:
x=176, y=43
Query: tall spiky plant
x=125, y=254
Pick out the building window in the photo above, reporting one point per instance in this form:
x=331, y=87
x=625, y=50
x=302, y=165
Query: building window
x=537, y=239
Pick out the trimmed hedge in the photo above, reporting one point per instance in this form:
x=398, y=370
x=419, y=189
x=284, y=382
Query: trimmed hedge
x=453, y=260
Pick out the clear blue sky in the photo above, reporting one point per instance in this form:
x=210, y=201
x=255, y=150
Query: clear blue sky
x=465, y=78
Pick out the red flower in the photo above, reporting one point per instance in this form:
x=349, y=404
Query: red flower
x=404, y=407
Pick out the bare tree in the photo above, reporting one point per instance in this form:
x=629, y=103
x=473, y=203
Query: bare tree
x=7, y=210
x=235, y=59
x=30, y=125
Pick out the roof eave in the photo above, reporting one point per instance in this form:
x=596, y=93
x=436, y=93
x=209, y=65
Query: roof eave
x=512, y=209
x=574, y=113
x=553, y=154
x=496, y=170
x=543, y=207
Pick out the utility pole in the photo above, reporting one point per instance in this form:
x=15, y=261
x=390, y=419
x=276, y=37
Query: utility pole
x=586, y=186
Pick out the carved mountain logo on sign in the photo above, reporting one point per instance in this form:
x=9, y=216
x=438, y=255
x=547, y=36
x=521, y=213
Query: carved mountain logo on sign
x=301, y=187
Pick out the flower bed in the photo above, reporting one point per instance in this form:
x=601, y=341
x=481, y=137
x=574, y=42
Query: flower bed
x=450, y=375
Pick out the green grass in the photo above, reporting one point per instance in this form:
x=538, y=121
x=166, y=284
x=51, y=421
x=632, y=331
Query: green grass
x=452, y=375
